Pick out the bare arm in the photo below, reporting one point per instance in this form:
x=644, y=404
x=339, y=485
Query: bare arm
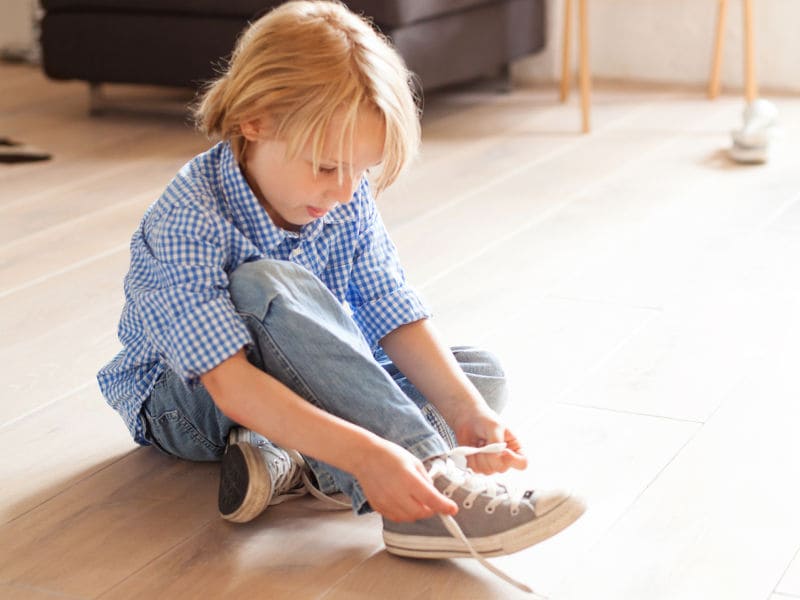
x=393, y=480
x=415, y=348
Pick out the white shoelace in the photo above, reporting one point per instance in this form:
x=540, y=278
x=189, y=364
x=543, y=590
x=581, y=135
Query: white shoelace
x=453, y=466
x=329, y=502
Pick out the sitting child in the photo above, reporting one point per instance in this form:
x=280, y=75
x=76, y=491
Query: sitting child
x=268, y=323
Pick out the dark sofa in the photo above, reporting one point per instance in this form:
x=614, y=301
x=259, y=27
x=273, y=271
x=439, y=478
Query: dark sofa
x=181, y=42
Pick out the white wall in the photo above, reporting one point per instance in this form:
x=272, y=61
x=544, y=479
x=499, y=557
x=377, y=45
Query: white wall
x=17, y=35
x=672, y=41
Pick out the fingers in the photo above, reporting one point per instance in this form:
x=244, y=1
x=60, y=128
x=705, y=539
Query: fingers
x=413, y=508
x=414, y=499
x=404, y=514
x=438, y=502
x=490, y=463
x=516, y=458
x=427, y=495
x=511, y=457
x=498, y=463
x=512, y=443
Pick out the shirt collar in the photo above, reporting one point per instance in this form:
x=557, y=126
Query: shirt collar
x=247, y=213
x=251, y=218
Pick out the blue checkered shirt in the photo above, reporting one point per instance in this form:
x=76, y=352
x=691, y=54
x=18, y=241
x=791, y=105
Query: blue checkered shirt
x=178, y=313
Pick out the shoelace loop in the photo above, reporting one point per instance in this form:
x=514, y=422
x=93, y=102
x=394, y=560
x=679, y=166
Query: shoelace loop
x=453, y=466
x=329, y=502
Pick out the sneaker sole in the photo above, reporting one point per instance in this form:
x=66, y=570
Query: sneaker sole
x=245, y=487
x=541, y=528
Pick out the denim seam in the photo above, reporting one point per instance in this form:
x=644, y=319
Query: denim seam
x=429, y=447
x=161, y=380
x=179, y=419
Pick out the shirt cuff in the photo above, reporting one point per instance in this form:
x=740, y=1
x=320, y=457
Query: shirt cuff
x=385, y=314
x=201, y=340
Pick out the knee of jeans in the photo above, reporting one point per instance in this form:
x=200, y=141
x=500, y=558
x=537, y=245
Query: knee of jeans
x=486, y=372
x=253, y=285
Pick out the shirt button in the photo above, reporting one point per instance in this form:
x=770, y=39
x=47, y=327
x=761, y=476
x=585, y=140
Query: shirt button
x=296, y=252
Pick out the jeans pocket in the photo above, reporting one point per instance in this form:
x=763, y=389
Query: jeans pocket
x=173, y=433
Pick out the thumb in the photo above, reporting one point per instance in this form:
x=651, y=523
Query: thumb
x=515, y=459
x=493, y=435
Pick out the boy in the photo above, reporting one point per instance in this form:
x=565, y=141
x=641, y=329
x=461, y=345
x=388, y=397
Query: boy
x=268, y=322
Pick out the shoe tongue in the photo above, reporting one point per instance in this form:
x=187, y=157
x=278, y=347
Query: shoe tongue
x=430, y=463
x=438, y=465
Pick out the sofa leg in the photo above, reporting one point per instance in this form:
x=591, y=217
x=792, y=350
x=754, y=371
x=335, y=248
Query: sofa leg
x=96, y=99
x=506, y=85
x=500, y=80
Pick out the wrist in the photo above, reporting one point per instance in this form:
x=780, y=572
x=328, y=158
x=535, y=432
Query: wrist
x=359, y=445
x=469, y=412
x=462, y=408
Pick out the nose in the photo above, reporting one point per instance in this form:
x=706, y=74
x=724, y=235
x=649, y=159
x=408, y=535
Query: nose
x=342, y=194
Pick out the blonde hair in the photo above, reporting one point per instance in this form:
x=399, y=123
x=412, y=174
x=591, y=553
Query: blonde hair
x=300, y=64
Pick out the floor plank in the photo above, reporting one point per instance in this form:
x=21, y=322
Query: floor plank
x=45, y=254
x=395, y=578
x=790, y=582
x=109, y=525
x=292, y=551
x=18, y=592
x=470, y=148
x=458, y=229
x=572, y=341
x=93, y=183
x=721, y=520
x=74, y=316
x=57, y=447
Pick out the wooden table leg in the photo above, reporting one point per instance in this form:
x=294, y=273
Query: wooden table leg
x=584, y=74
x=716, y=67
x=566, y=67
x=750, y=85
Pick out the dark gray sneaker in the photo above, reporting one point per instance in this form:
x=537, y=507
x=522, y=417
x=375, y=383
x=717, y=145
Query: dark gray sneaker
x=255, y=474
x=492, y=520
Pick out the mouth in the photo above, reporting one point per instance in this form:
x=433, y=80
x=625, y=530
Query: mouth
x=315, y=212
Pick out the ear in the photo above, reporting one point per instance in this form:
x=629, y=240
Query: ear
x=252, y=130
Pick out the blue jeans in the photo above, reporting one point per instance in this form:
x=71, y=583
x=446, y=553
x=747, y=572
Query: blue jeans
x=305, y=338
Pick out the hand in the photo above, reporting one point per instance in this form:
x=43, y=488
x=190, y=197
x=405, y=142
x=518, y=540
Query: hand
x=397, y=485
x=481, y=427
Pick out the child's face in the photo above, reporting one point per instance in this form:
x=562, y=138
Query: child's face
x=289, y=190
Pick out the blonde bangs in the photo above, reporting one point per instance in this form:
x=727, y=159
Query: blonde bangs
x=301, y=64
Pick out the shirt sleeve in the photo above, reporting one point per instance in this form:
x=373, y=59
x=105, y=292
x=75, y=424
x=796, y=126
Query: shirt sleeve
x=378, y=294
x=184, y=302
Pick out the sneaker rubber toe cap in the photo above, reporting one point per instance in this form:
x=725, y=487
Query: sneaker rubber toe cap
x=546, y=501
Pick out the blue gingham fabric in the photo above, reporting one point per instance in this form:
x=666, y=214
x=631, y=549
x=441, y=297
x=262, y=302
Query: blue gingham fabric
x=178, y=313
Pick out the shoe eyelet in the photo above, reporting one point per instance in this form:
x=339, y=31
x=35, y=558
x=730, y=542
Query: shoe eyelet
x=448, y=493
x=467, y=504
x=489, y=510
x=514, y=512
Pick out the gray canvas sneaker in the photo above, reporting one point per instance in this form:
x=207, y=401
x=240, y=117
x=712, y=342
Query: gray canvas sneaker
x=492, y=520
x=255, y=473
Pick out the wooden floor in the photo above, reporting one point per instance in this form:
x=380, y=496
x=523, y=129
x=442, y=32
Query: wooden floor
x=642, y=290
